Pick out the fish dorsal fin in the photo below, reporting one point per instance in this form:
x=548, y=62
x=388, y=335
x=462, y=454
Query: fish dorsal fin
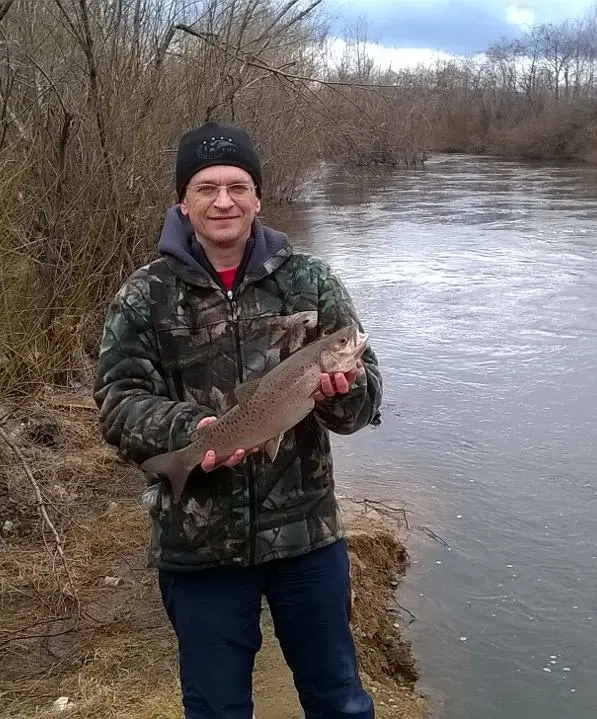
x=272, y=446
x=245, y=391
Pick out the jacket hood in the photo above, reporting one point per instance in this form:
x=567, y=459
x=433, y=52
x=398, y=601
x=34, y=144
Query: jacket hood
x=178, y=241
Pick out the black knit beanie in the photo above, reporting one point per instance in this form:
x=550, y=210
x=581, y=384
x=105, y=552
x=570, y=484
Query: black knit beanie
x=215, y=144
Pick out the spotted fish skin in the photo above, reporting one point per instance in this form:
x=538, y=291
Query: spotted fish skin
x=267, y=408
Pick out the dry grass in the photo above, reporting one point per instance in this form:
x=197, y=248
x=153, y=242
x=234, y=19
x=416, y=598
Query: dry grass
x=116, y=656
x=121, y=677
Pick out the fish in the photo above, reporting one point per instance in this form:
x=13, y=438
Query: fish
x=266, y=408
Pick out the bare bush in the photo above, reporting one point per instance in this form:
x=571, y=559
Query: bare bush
x=531, y=97
x=93, y=98
x=379, y=121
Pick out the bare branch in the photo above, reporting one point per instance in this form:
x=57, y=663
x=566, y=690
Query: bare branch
x=4, y=8
x=45, y=517
x=87, y=46
x=40, y=69
x=163, y=46
x=254, y=61
x=283, y=11
x=298, y=18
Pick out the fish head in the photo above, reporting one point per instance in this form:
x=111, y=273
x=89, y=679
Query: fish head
x=342, y=349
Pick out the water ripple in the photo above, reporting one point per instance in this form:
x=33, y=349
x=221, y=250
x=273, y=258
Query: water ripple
x=477, y=280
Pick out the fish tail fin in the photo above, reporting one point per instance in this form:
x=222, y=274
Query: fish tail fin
x=173, y=465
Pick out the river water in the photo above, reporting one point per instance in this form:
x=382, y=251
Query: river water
x=477, y=280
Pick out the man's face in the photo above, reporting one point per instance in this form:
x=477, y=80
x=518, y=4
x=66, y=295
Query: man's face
x=225, y=218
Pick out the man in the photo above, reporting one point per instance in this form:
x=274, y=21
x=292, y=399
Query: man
x=227, y=301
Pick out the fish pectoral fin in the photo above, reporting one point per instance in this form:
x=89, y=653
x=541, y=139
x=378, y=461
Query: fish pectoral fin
x=272, y=446
x=175, y=467
x=245, y=391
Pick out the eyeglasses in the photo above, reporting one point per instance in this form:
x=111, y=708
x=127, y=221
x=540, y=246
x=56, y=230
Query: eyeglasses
x=237, y=191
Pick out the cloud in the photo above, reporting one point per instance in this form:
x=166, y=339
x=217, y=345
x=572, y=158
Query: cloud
x=452, y=26
x=461, y=26
x=520, y=16
x=390, y=57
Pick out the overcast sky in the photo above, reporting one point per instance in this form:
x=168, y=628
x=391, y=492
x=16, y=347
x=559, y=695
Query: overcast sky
x=451, y=26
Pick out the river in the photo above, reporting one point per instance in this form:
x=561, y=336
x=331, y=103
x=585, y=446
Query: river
x=477, y=281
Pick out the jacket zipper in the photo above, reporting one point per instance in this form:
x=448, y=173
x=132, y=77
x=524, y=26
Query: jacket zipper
x=234, y=308
x=249, y=461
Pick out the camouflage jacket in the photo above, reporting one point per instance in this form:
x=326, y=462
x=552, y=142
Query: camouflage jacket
x=174, y=347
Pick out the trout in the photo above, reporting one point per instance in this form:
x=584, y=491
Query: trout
x=266, y=408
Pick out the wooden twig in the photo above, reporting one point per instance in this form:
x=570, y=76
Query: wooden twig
x=4, y=8
x=23, y=637
x=45, y=517
x=383, y=508
x=88, y=47
x=74, y=405
x=267, y=33
x=255, y=61
x=433, y=535
x=52, y=85
x=252, y=60
x=404, y=609
x=21, y=633
x=163, y=47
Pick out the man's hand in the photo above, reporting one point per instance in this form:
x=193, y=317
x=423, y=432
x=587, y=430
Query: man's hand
x=337, y=383
x=209, y=461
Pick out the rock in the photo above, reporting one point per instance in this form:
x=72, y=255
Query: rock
x=60, y=642
x=62, y=704
x=112, y=581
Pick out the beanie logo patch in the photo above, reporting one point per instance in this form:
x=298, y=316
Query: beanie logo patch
x=216, y=148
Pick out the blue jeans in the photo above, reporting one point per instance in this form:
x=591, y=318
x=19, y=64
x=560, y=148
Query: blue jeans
x=215, y=614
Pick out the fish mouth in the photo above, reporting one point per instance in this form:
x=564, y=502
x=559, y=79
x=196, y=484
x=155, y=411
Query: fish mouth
x=360, y=342
x=343, y=354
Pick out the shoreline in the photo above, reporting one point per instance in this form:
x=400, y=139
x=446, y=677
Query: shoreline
x=521, y=157
x=109, y=648
x=388, y=667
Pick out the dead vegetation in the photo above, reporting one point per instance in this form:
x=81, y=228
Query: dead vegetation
x=93, y=629
x=93, y=98
x=381, y=123
x=533, y=98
